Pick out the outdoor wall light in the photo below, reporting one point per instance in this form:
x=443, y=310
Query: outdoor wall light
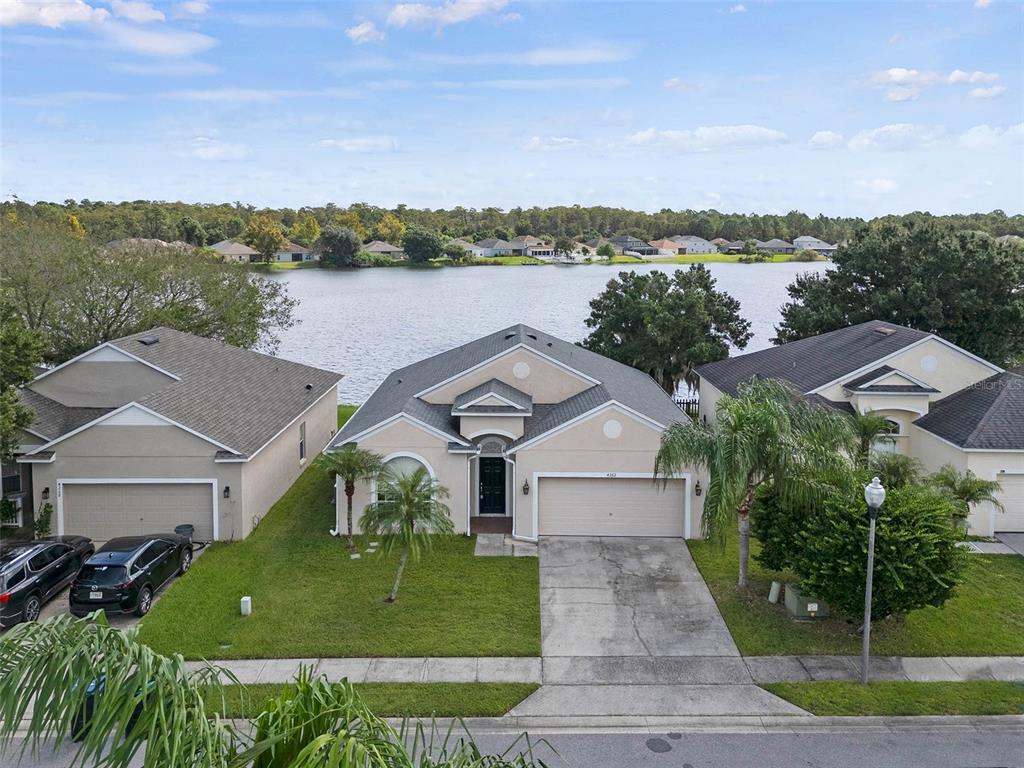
x=526, y=487
x=45, y=494
x=227, y=491
x=697, y=490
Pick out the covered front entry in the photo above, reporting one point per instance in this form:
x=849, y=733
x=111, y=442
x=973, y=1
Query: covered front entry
x=104, y=511
x=492, y=485
x=610, y=506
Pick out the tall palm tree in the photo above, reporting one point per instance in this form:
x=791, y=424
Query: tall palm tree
x=871, y=429
x=967, y=489
x=353, y=464
x=767, y=433
x=407, y=513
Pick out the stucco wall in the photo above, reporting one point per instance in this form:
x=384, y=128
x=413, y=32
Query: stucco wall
x=401, y=437
x=89, y=384
x=545, y=382
x=585, y=447
x=510, y=426
x=709, y=396
x=271, y=472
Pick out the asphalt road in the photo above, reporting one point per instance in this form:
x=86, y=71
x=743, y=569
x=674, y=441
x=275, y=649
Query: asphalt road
x=913, y=749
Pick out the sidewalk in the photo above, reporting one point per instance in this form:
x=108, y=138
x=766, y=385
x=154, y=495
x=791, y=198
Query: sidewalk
x=649, y=670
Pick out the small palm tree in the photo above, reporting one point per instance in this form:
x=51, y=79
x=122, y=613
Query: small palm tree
x=768, y=433
x=353, y=464
x=407, y=513
x=871, y=429
x=966, y=489
x=896, y=470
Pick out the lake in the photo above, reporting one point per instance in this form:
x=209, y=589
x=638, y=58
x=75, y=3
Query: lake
x=366, y=323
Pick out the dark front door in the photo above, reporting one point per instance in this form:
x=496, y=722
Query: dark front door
x=492, y=486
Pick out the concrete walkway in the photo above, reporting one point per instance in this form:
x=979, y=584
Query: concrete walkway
x=1014, y=541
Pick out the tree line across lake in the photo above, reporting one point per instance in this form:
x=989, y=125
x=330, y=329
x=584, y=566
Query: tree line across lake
x=204, y=224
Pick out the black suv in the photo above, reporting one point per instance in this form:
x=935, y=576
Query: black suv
x=125, y=574
x=32, y=572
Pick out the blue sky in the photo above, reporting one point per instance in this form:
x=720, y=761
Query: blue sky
x=840, y=108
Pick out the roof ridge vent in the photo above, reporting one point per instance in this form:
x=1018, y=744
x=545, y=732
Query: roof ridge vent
x=883, y=331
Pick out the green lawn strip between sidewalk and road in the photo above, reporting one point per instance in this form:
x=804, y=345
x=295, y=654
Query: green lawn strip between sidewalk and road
x=976, y=697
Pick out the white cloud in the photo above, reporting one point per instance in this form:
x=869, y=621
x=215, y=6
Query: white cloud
x=982, y=3
x=986, y=136
x=366, y=32
x=510, y=17
x=65, y=97
x=363, y=144
x=678, y=84
x=902, y=93
x=959, y=76
x=137, y=11
x=894, y=38
x=879, y=186
x=291, y=18
x=739, y=8
x=236, y=95
x=537, y=84
x=49, y=13
x=894, y=136
x=825, y=140
x=443, y=15
x=161, y=43
x=987, y=93
x=206, y=148
x=709, y=138
x=536, y=57
x=548, y=143
x=193, y=7
x=902, y=76
x=165, y=68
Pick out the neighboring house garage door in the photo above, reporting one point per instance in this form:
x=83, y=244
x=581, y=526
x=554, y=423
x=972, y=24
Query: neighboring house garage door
x=603, y=506
x=1012, y=497
x=104, y=511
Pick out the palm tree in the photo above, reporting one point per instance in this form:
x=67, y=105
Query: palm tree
x=353, y=464
x=406, y=513
x=966, y=489
x=870, y=429
x=896, y=470
x=768, y=433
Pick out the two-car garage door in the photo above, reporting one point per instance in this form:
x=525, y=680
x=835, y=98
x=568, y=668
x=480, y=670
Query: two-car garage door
x=103, y=511
x=1012, y=498
x=610, y=506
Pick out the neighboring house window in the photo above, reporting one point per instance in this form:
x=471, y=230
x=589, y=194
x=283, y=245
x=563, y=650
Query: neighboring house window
x=12, y=497
x=400, y=466
x=888, y=446
x=302, y=441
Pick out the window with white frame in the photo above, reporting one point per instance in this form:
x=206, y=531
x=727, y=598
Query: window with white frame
x=400, y=466
x=302, y=441
x=888, y=443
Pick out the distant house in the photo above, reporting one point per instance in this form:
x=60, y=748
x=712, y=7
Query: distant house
x=668, y=247
x=470, y=248
x=494, y=246
x=387, y=249
x=521, y=243
x=295, y=252
x=814, y=244
x=719, y=242
x=632, y=245
x=597, y=242
x=775, y=245
x=694, y=244
x=1009, y=239
x=738, y=246
x=541, y=251
x=240, y=253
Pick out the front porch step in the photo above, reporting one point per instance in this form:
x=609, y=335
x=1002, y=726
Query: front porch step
x=503, y=545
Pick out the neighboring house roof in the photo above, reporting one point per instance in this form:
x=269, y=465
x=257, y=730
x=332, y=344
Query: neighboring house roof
x=988, y=415
x=52, y=419
x=231, y=248
x=806, y=241
x=290, y=247
x=777, y=243
x=463, y=244
x=865, y=382
x=236, y=397
x=527, y=240
x=815, y=361
x=613, y=381
x=493, y=242
x=1004, y=239
x=379, y=246
x=666, y=243
x=719, y=241
x=690, y=239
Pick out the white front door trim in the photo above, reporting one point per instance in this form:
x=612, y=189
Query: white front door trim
x=62, y=481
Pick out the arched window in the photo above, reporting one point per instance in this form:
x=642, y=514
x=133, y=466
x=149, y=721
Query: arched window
x=887, y=444
x=400, y=466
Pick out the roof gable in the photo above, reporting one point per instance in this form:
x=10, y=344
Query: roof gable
x=988, y=415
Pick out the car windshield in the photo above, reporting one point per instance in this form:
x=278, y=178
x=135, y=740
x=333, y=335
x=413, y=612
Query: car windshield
x=103, y=575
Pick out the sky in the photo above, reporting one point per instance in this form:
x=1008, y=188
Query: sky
x=852, y=109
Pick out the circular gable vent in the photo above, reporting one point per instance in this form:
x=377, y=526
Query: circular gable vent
x=521, y=370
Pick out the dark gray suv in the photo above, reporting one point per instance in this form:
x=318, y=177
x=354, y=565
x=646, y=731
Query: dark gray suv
x=32, y=572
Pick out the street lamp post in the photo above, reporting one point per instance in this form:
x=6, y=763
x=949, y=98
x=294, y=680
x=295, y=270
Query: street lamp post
x=874, y=495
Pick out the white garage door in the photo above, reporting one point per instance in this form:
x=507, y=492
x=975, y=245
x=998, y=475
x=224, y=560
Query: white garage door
x=603, y=506
x=105, y=511
x=1012, y=497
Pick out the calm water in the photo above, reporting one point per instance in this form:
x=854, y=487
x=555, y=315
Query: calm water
x=365, y=323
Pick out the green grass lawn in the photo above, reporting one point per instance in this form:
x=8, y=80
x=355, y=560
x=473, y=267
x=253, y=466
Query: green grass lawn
x=392, y=699
x=311, y=600
x=982, y=697
x=985, y=618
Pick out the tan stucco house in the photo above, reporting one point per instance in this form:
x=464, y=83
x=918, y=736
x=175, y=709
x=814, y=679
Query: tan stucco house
x=945, y=405
x=532, y=436
x=160, y=428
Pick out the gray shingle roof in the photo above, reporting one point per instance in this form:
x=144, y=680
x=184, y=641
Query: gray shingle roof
x=614, y=381
x=234, y=396
x=52, y=419
x=815, y=361
x=986, y=415
x=863, y=383
x=493, y=387
x=231, y=248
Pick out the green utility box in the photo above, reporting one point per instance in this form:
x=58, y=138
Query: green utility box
x=804, y=607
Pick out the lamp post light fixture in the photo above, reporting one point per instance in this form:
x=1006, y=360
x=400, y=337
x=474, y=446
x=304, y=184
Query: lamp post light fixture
x=874, y=495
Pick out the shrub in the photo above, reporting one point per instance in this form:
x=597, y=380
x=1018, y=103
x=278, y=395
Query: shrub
x=777, y=526
x=367, y=259
x=339, y=246
x=805, y=254
x=41, y=527
x=422, y=244
x=917, y=560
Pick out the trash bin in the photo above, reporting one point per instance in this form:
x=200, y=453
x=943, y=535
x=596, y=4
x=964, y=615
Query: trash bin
x=185, y=530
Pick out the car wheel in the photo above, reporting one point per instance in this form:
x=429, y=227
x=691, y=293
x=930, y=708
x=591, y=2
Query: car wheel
x=33, y=605
x=145, y=602
x=186, y=561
